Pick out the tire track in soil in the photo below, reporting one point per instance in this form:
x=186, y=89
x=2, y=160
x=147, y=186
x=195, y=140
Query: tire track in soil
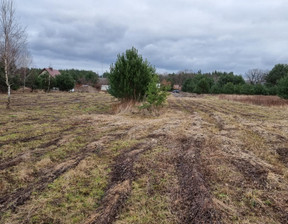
x=22, y=157
x=283, y=155
x=253, y=173
x=32, y=138
x=25, y=156
x=20, y=196
x=254, y=170
x=14, y=197
x=120, y=187
x=196, y=205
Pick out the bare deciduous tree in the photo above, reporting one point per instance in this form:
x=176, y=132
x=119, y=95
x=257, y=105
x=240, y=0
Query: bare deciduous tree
x=25, y=62
x=256, y=76
x=12, y=41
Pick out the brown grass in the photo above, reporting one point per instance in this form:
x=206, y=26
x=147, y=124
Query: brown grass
x=68, y=158
x=123, y=107
x=256, y=99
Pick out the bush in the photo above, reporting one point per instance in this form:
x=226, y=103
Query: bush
x=32, y=80
x=130, y=76
x=188, y=86
x=82, y=77
x=198, y=84
x=202, y=86
x=216, y=89
x=259, y=90
x=155, y=95
x=246, y=89
x=45, y=82
x=278, y=72
x=65, y=82
x=271, y=90
x=283, y=87
x=16, y=82
x=230, y=78
x=228, y=88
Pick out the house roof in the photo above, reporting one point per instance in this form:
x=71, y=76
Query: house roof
x=51, y=71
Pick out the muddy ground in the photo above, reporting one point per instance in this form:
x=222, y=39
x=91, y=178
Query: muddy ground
x=68, y=158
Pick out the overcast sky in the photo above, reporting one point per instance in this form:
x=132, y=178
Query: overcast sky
x=222, y=35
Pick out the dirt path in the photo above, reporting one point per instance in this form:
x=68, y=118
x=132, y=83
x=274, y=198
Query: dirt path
x=196, y=203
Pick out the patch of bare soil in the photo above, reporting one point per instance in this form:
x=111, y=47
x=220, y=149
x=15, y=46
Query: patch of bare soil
x=120, y=186
x=19, y=197
x=28, y=139
x=13, y=162
x=41, y=149
x=196, y=205
x=244, y=140
x=253, y=173
x=283, y=153
x=227, y=162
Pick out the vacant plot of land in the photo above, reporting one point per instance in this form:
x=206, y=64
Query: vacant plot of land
x=66, y=158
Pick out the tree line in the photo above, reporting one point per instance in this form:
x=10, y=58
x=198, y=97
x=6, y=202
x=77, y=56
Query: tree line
x=259, y=82
x=138, y=77
x=65, y=81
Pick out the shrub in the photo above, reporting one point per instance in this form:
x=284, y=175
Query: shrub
x=130, y=76
x=246, y=89
x=228, y=88
x=271, y=90
x=202, y=86
x=188, y=86
x=283, y=87
x=155, y=95
x=259, y=90
x=198, y=84
x=216, y=89
x=16, y=82
x=45, y=82
x=65, y=82
x=278, y=72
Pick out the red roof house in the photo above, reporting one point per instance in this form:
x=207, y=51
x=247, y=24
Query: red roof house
x=50, y=71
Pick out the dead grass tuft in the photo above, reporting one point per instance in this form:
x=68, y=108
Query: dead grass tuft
x=65, y=158
x=43, y=163
x=257, y=100
x=124, y=107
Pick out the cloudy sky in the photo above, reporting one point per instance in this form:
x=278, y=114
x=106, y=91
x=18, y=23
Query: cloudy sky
x=222, y=35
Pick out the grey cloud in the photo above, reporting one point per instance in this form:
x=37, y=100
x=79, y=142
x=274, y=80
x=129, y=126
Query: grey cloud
x=225, y=35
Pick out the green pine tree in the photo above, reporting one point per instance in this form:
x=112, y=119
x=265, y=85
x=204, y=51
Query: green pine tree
x=130, y=76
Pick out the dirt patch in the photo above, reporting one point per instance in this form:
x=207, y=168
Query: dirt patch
x=26, y=156
x=50, y=143
x=13, y=162
x=253, y=173
x=28, y=139
x=210, y=163
x=120, y=186
x=195, y=205
x=283, y=153
x=20, y=196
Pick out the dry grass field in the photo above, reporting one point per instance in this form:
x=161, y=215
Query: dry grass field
x=67, y=158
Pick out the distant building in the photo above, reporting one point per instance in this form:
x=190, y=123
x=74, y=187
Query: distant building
x=103, y=84
x=178, y=87
x=52, y=72
x=104, y=87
